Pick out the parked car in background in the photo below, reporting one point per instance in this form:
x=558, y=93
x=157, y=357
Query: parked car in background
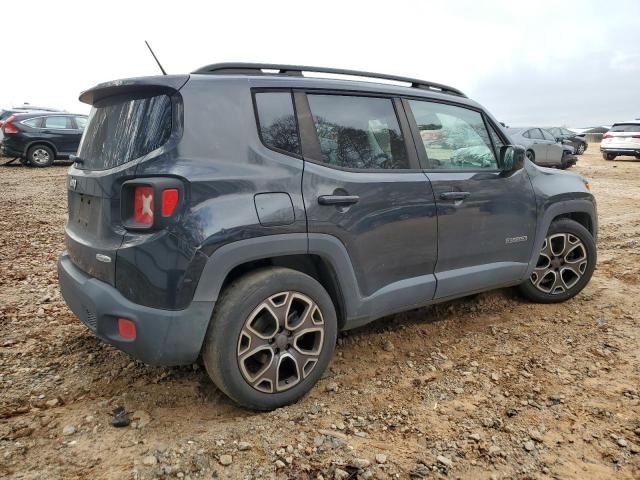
x=542, y=147
x=576, y=140
x=38, y=138
x=622, y=139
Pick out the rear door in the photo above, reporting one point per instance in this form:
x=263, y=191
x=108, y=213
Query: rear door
x=555, y=149
x=60, y=130
x=539, y=146
x=486, y=217
x=363, y=185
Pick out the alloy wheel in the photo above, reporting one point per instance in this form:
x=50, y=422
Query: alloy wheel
x=561, y=264
x=580, y=149
x=280, y=342
x=40, y=156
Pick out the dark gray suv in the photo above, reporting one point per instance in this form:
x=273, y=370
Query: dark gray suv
x=246, y=213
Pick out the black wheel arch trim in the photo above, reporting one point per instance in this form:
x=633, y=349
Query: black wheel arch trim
x=554, y=211
x=358, y=310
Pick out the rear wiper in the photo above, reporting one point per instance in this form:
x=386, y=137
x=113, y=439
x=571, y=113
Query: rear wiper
x=76, y=159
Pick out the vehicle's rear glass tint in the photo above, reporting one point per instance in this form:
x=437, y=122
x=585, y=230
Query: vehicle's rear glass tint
x=121, y=130
x=626, y=127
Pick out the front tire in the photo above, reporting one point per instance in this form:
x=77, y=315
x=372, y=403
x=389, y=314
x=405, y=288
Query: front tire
x=580, y=150
x=270, y=338
x=565, y=264
x=40, y=156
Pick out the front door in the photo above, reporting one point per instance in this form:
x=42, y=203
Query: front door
x=486, y=217
x=363, y=185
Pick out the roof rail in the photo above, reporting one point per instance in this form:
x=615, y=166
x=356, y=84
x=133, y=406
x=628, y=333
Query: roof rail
x=296, y=70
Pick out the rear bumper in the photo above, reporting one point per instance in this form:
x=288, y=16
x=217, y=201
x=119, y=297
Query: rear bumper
x=621, y=151
x=9, y=151
x=164, y=337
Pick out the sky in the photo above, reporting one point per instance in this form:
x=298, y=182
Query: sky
x=572, y=63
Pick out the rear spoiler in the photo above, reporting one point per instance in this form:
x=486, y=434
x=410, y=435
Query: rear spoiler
x=156, y=85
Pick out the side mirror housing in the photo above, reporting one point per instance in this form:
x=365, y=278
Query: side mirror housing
x=512, y=158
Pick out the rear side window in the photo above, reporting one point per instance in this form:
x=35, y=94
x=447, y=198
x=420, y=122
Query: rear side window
x=33, y=122
x=277, y=121
x=358, y=132
x=122, y=129
x=453, y=137
x=81, y=122
x=625, y=127
x=547, y=135
x=58, y=123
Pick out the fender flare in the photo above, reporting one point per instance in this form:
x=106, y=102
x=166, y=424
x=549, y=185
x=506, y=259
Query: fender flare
x=553, y=211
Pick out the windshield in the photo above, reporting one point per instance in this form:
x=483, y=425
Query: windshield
x=122, y=129
x=626, y=127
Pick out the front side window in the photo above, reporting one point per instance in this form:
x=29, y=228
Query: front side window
x=59, y=123
x=358, y=132
x=453, y=137
x=277, y=121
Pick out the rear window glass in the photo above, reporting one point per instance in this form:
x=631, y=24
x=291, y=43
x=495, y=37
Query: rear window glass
x=119, y=131
x=278, y=127
x=33, y=122
x=626, y=127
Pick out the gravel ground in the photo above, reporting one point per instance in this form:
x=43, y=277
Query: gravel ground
x=485, y=387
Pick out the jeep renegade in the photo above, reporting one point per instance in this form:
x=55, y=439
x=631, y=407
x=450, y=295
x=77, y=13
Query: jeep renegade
x=246, y=213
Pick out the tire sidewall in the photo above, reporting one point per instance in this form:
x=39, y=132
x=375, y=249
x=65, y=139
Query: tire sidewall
x=574, y=228
x=36, y=164
x=241, y=298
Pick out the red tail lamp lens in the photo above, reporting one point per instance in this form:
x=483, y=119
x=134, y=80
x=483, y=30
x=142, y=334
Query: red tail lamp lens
x=126, y=329
x=143, y=205
x=170, y=198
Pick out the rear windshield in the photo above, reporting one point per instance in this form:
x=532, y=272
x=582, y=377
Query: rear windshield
x=626, y=127
x=123, y=129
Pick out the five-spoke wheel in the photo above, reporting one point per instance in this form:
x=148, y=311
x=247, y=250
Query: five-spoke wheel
x=271, y=337
x=565, y=263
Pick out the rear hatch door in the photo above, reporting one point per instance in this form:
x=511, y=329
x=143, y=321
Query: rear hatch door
x=130, y=121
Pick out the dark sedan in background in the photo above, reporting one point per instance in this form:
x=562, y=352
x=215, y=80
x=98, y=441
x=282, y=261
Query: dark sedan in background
x=38, y=138
x=576, y=140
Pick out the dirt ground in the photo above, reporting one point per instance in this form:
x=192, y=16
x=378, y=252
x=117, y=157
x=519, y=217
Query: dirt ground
x=486, y=387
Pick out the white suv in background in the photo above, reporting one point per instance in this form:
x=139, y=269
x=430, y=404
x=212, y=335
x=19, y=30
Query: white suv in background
x=623, y=138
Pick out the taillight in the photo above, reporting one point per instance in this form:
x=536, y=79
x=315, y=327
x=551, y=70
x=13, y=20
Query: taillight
x=607, y=135
x=8, y=126
x=635, y=136
x=170, y=198
x=151, y=203
x=143, y=205
x=127, y=329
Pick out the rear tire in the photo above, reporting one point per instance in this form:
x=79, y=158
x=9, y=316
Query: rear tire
x=608, y=156
x=271, y=336
x=565, y=265
x=40, y=156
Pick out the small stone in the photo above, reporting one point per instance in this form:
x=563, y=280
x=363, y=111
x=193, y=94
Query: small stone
x=340, y=474
x=381, y=458
x=535, y=435
x=52, y=403
x=331, y=387
x=474, y=436
x=279, y=464
x=319, y=440
x=68, y=430
x=444, y=461
x=142, y=418
x=360, y=463
x=149, y=460
x=621, y=442
x=226, y=460
x=244, y=446
x=529, y=446
x=388, y=346
x=495, y=377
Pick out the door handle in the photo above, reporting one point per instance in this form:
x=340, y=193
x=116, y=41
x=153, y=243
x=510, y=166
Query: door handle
x=338, y=199
x=454, y=195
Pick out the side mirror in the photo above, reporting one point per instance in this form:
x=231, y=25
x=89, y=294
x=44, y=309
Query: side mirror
x=512, y=158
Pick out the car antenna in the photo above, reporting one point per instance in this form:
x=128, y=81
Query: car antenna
x=155, y=58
